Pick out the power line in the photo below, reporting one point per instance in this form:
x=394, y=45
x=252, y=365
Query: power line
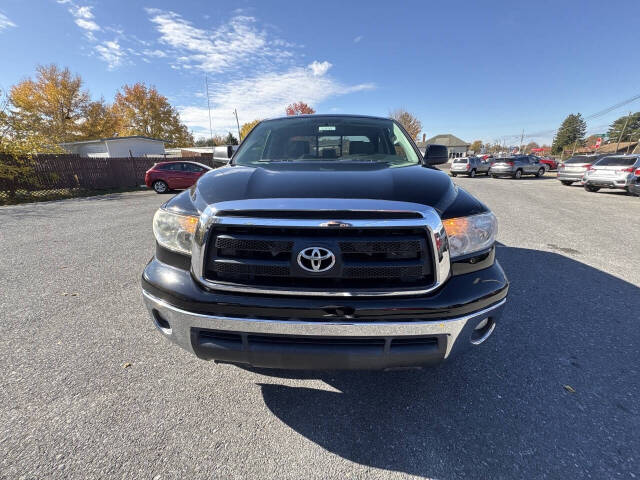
x=593, y=116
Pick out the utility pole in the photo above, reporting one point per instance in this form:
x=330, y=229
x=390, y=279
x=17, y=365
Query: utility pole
x=206, y=82
x=521, y=139
x=622, y=133
x=235, y=112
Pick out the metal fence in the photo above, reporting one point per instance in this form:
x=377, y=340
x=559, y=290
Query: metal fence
x=47, y=177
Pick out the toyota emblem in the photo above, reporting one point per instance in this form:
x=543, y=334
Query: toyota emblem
x=316, y=259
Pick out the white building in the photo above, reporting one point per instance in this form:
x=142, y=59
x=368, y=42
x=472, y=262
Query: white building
x=117, y=147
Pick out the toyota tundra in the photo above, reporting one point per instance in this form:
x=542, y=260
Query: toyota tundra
x=328, y=242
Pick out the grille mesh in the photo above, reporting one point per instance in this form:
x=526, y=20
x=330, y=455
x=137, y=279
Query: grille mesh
x=365, y=257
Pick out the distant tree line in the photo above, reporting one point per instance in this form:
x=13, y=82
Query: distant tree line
x=571, y=133
x=37, y=114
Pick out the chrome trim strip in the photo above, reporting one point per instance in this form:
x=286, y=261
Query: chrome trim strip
x=183, y=320
x=430, y=220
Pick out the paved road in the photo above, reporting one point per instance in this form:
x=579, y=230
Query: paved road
x=71, y=317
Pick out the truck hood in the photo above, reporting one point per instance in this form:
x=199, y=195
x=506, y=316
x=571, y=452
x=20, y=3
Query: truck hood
x=415, y=184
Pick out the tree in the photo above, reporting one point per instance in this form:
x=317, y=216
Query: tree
x=631, y=132
x=530, y=146
x=570, y=133
x=411, y=124
x=16, y=149
x=52, y=106
x=210, y=142
x=246, y=128
x=476, y=146
x=99, y=121
x=142, y=110
x=591, y=140
x=230, y=139
x=299, y=108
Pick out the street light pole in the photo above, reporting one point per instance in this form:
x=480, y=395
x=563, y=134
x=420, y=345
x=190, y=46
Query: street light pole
x=235, y=112
x=206, y=82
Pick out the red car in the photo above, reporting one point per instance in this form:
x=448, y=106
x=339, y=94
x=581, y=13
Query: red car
x=553, y=165
x=165, y=176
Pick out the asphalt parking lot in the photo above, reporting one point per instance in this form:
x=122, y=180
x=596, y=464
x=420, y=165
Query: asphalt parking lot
x=89, y=389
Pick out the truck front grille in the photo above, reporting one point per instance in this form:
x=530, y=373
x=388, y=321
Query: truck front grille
x=365, y=258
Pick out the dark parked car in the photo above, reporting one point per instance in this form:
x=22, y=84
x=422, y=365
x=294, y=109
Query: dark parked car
x=516, y=167
x=469, y=166
x=634, y=186
x=177, y=175
x=328, y=242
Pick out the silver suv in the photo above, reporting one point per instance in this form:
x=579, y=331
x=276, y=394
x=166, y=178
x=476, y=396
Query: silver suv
x=616, y=171
x=573, y=169
x=516, y=167
x=469, y=166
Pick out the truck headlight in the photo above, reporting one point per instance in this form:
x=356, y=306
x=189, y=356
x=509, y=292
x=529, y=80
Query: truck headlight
x=174, y=231
x=471, y=234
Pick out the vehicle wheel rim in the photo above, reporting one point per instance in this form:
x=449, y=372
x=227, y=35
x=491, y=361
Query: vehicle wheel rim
x=473, y=173
x=160, y=187
x=518, y=174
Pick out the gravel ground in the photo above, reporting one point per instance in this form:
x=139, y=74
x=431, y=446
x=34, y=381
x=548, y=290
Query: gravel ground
x=90, y=390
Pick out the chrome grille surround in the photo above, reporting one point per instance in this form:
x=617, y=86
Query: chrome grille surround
x=428, y=219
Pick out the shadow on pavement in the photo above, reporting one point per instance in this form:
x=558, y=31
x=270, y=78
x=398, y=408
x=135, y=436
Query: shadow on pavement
x=502, y=409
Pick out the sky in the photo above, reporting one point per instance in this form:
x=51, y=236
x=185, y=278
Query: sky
x=485, y=70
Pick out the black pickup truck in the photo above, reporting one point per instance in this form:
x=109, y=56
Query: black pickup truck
x=328, y=242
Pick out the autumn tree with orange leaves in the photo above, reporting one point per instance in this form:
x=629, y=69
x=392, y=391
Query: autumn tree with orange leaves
x=142, y=110
x=299, y=108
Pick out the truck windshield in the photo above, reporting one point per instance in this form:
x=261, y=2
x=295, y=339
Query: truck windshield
x=327, y=139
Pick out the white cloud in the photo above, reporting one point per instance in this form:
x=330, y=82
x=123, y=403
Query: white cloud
x=357, y=39
x=233, y=43
x=84, y=18
x=319, y=68
x=111, y=53
x=82, y=12
x=154, y=53
x=5, y=22
x=87, y=24
x=264, y=96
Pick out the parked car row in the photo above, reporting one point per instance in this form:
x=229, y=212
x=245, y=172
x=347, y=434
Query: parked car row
x=621, y=172
x=515, y=167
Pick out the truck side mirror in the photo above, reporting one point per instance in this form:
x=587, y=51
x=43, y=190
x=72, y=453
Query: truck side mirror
x=436, y=155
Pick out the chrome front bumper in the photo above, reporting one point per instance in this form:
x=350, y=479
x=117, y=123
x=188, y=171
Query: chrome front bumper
x=455, y=334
